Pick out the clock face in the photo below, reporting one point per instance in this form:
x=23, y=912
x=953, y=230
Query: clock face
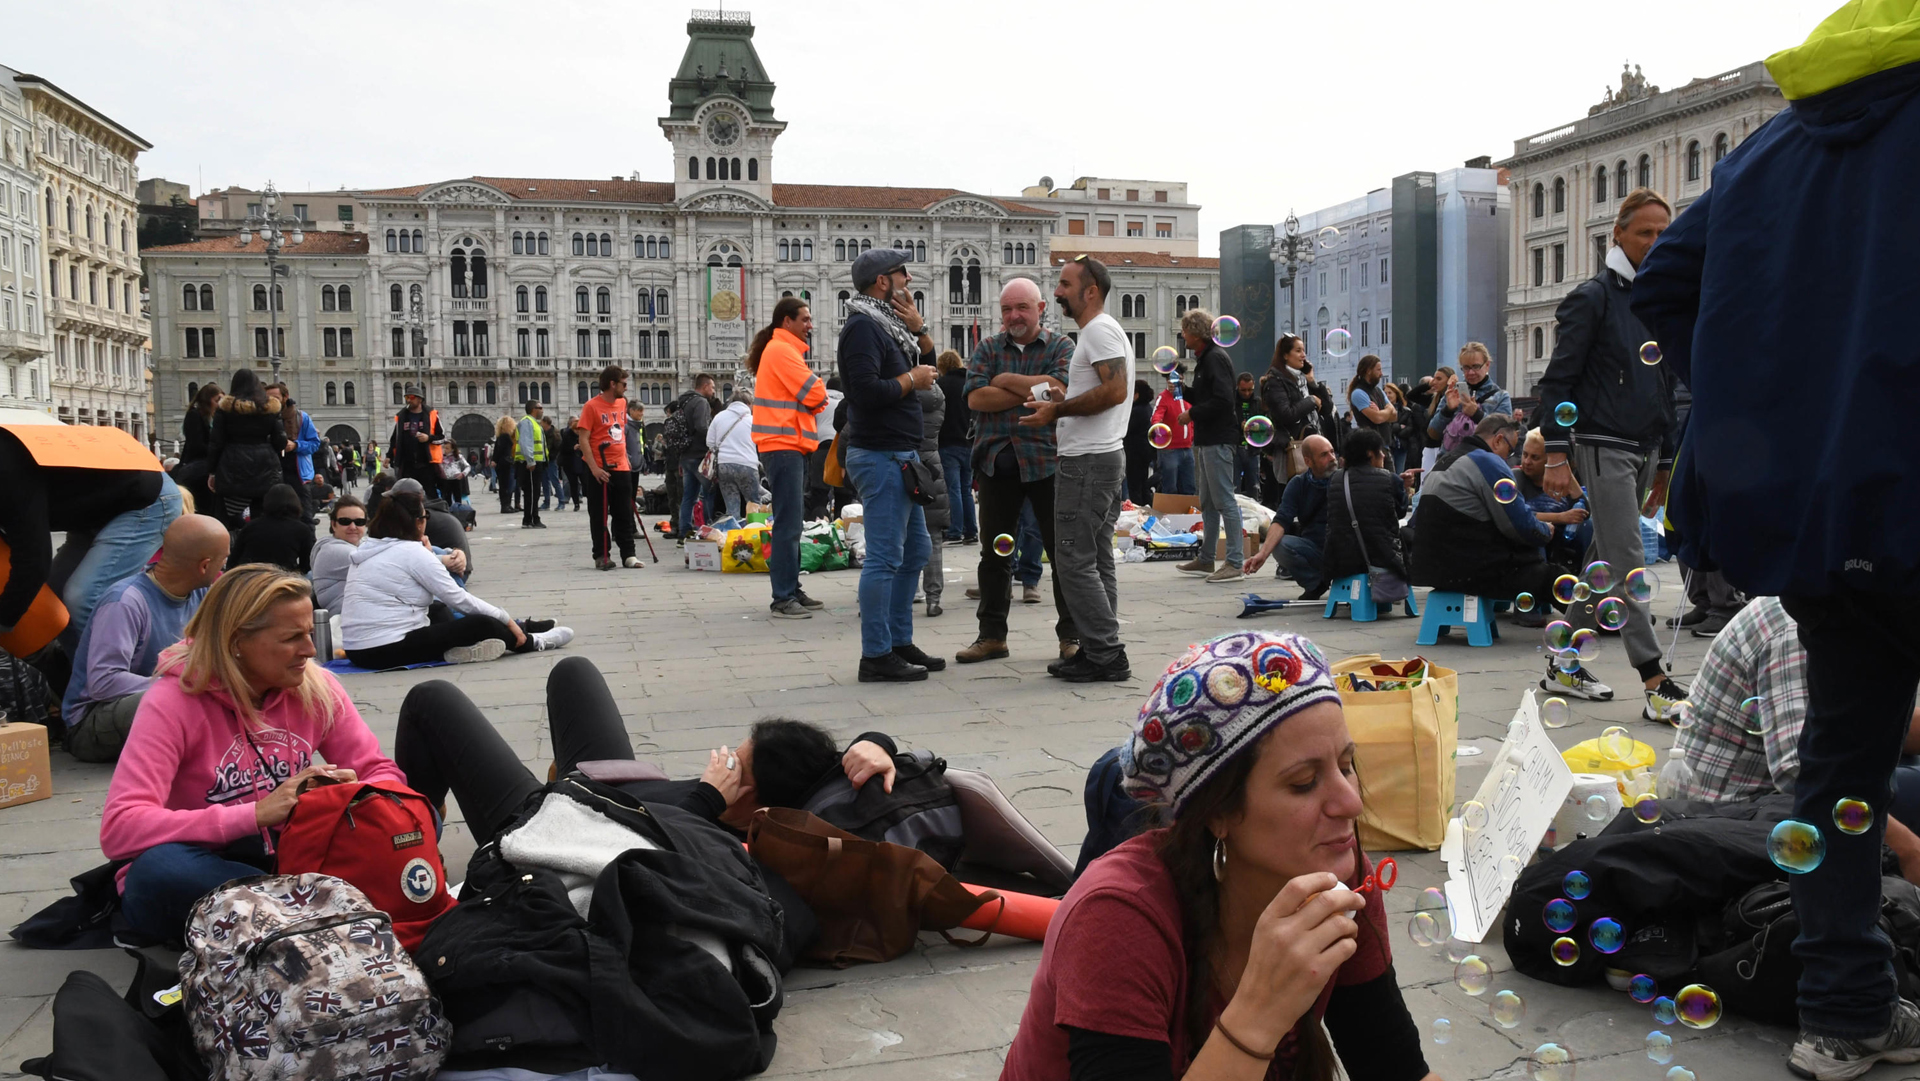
x=723, y=130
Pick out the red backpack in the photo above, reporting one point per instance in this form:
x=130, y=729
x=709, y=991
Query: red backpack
x=381, y=838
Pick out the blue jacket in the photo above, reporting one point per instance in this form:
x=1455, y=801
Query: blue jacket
x=307, y=446
x=1785, y=298
x=1303, y=508
x=879, y=415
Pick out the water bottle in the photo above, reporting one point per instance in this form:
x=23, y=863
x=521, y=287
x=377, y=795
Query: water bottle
x=322, y=636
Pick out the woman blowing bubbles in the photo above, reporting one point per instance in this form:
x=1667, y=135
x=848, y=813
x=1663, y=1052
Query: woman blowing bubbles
x=1215, y=947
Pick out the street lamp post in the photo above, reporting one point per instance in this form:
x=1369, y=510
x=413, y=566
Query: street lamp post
x=1292, y=253
x=277, y=231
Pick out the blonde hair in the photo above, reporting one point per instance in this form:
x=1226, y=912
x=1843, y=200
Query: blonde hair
x=1197, y=322
x=1637, y=199
x=1476, y=347
x=239, y=605
x=950, y=360
x=1535, y=438
x=504, y=426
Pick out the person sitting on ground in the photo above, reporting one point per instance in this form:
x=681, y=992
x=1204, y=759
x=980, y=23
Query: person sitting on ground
x=445, y=533
x=137, y=618
x=347, y=527
x=382, y=483
x=1378, y=502
x=1571, y=533
x=1299, y=531
x=444, y=743
x=280, y=535
x=223, y=745
x=392, y=581
x=1219, y=945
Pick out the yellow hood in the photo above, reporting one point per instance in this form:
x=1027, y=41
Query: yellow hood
x=1861, y=38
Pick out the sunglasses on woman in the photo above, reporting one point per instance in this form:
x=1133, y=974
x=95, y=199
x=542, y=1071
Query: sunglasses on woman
x=353, y=523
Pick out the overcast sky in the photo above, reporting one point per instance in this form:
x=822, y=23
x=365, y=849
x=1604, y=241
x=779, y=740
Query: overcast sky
x=1259, y=107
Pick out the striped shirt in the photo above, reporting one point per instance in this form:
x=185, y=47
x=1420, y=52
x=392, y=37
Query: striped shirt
x=1033, y=447
x=1758, y=655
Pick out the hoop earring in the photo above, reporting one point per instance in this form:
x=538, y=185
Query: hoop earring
x=1219, y=859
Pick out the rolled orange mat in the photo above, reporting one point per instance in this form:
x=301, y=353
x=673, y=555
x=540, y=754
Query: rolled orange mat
x=44, y=619
x=1017, y=915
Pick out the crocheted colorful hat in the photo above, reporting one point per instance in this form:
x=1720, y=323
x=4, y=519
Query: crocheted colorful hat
x=1215, y=701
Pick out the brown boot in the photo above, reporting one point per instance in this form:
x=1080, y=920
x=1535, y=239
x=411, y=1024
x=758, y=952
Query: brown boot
x=983, y=649
x=1030, y=595
x=1202, y=567
x=973, y=593
x=1069, y=649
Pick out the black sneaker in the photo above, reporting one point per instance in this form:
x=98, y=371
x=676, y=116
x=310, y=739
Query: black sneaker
x=536, y=626
x=1692, y=616
x=889, y=668
x=1316, y=592
x=1836, y=1058
x=1710, y=626
x=913, y=654
x=806, y=601
x=1082, y=670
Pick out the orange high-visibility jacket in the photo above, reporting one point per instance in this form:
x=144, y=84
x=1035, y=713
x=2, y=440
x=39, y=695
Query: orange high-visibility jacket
x=786, y=396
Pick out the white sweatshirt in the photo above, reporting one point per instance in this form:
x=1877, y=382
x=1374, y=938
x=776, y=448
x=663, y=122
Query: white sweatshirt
x=389, y=585
x=732, y=432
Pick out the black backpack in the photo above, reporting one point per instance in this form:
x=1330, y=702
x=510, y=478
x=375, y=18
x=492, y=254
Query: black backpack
x=921, y=812
x=26, y=696
x=677, y=434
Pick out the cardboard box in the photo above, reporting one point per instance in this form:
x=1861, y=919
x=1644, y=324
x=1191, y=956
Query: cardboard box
x=703, y=556
x=1220, y=547
x=26, y=772
x=1175, y=504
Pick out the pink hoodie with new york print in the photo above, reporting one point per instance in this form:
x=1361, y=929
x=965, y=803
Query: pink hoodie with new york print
x=190, y=774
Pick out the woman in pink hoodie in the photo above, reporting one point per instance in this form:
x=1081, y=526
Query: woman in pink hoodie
x=223, y=745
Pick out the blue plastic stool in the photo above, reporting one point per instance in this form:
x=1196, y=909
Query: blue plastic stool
x=1451, y=610
x=1354, y=592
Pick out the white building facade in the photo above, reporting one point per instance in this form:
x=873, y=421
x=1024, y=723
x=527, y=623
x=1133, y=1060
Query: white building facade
x=24, y=375
x=1567, y=184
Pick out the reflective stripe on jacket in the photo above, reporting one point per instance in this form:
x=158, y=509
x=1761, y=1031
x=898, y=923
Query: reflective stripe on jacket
x=529, y=427
x=786, y=396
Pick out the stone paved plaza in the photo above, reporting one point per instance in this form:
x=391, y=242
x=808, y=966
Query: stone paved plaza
x=694, y=659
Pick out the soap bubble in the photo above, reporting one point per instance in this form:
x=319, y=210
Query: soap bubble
x=1569, y=661
x=1597, y=807
x=1003, y=545
x=1576, y=885
x=1458, y=950
x=1442, y=1031
x=1508, y=1009
x=1565, y=951
x=1617, y=742
x=1611, y=614
x=1431, y=923
x=1796, y=847
x=1566, y=414
x=1642, y=585
x=1338, y=342
x=1329, y=236
x=1509, y=867
x=1598, y=576
x=1166, y=359
x=1523, y=603
x=1161, y=436
x=1679, y=1073
x=1663, y=1011
x=1550, y=1062
x=1607, y=935
x=1650, y=353
x=1852, y=816
x=1659, y=1047
x=1753, y=716
x=1558, y=634
x=1258, y=430
x=1646, y=808
x=1643, y=988
x=1582, y=592
x=1473, y=975
x=1560, y=915
x=1555, y=713
x=1585, y=642
x=1473, y=815
x=1564, y=587
x=1421, y=929
x=1698, y=1006
x=1505, y=491
x=1226, y=331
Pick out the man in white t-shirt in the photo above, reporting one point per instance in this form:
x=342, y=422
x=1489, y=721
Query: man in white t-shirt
x=1090, y=473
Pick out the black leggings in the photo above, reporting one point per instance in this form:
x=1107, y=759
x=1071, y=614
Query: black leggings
x=428, y=643
x=444, y=743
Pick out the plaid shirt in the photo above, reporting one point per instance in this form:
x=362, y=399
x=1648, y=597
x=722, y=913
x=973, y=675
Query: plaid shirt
x=1034, y=448
x=1758, y=655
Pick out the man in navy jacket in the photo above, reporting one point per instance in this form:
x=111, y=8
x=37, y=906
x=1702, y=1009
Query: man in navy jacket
x=1785, y=299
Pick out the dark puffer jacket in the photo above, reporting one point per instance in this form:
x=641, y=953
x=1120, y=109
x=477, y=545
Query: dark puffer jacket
x=1620, y=402
x=1379, y=502
x=933, y=413
x=246, y=446
x=1288, y=406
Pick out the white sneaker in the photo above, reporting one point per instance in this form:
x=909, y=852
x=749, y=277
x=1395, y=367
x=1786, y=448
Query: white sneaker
x=553, y=639
x=489, y=650
x=1666, y=704
x=634, y=563
x=1577, y=684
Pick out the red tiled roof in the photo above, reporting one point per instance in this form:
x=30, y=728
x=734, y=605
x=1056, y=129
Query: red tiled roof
x=798, y=196
x=315, y=243
x=1139, y=258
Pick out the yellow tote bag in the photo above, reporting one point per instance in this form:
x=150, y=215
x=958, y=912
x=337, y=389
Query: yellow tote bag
x=1405, y=743
x=745, y=550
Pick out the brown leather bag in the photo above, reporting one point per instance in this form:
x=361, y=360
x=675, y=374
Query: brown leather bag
x=872, y=899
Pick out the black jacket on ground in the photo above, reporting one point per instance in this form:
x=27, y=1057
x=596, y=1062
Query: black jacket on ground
x=955, y=429
x=1379, y=501
x=1212, y=399
x=247, y=441
x=1621, y=402
x=283, y=542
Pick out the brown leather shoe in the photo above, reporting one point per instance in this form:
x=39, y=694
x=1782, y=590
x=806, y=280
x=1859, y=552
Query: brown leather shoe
x=1201, y=567
x=973, y=593
x=1030, y=595
x=983, y=649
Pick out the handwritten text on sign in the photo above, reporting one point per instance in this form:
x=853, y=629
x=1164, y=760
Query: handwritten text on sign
x=1524, y=787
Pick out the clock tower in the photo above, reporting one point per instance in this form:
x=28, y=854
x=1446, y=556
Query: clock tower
x=720, y=117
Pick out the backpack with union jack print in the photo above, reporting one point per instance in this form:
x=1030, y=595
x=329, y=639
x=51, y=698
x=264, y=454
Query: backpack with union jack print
x=299, y=976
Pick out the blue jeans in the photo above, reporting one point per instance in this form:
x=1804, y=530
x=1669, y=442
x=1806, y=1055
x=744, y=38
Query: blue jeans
x=1849, y=749
x=1301, y=558
x=787, y=479
x=692, y=490
x=1175, y=472
x=1219, y=510
x=164, y=881
x=119, y=550
x=957, y=463
x=554, y=485
x=1246, y=464
x=1029, y=547
x=897, y=547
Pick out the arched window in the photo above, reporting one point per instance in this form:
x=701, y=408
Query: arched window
x=693, y=168
x=1006, y=253
x=1539, y=343
x=519, y=247
x=660, y=342
x=844, y=297
x=753, y=168
x=580, y=301
x=259, y=298
x=346, y=391
x=326, y=298
x=660, y=304
x=332, y=393
x=839, y=251
x=540, y=299
x=1693, y=159
x=653, y=247
x=345, y=293
x=71, y=220
x=1720, y=147
x=190, y=298
x=1600, y=188
x=123, y=235
x=406, y=241
x=493, y=392
x=520, y=299
x=919, y=302
x=712, y=170
x=1645, y=170
x=543, y=244
x=1539, y=200
x=1180, y=305
x=473, y=394
x=478, y=264
x=1126, y=304
x=606, y=244
x=866, y=245
x=546, y=394
x=453, y=394
x=783, y=252
x=398, y=399
x=50, y=218
x=399, y=342
x=1620, y=179
x=580, y=391
x=393, y=241
x=806, y=251
x=579, y=244
x=393, y=298
x=603, y=300
x=89, y=221
x=736, y=168
x=1559, y=195
x=457, y=264
x=593, y=243
x=666, y=247
x=522, y=397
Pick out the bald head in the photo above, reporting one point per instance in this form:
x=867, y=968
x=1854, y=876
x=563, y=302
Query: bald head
x=1020, y=309
x=192, y=553
x=1319, y=453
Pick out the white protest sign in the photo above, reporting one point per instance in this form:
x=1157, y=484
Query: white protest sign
x=1525, y=785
